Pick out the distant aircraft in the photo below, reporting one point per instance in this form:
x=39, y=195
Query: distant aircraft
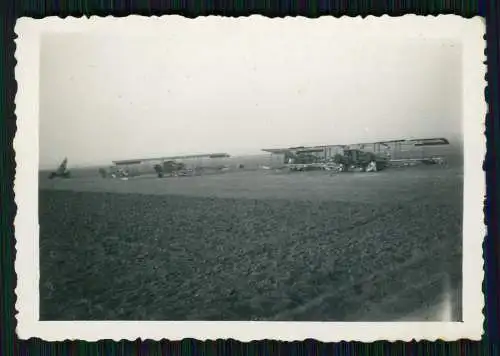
x=62, y=171
x=168, y=166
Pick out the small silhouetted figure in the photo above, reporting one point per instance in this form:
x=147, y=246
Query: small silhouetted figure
x=159, y=170
x=103, y=173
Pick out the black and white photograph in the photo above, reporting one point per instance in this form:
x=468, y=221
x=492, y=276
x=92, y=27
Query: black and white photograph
x=254, y=170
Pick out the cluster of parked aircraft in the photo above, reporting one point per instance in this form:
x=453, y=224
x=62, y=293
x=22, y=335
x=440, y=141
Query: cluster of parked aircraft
x=366, y=157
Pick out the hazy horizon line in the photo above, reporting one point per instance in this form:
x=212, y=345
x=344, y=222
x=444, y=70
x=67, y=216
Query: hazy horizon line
x=239, y=155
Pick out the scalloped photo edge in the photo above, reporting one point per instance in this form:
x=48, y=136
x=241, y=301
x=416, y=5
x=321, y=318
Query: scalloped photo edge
x=470, y=32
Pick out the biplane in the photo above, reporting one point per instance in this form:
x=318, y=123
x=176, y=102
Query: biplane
x=366, y=157
x=182, y=165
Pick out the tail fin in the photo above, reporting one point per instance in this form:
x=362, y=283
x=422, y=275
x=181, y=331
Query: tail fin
x=63, y=166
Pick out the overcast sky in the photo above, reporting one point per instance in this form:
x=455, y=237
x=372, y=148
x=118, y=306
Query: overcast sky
x=237, y=90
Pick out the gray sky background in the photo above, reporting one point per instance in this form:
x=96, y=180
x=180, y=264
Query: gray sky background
x=226, y=90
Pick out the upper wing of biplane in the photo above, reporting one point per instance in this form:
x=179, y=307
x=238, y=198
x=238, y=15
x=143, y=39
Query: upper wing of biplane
x=391, y=145
x=419, y=141
x=169, y=158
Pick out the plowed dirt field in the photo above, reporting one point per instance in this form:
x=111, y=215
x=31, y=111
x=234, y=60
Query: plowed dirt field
x=252, y=246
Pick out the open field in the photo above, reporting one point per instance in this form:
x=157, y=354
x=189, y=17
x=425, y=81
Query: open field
x=252, y=246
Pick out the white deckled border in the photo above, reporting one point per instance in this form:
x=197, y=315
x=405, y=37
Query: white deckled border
x=469, y=31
